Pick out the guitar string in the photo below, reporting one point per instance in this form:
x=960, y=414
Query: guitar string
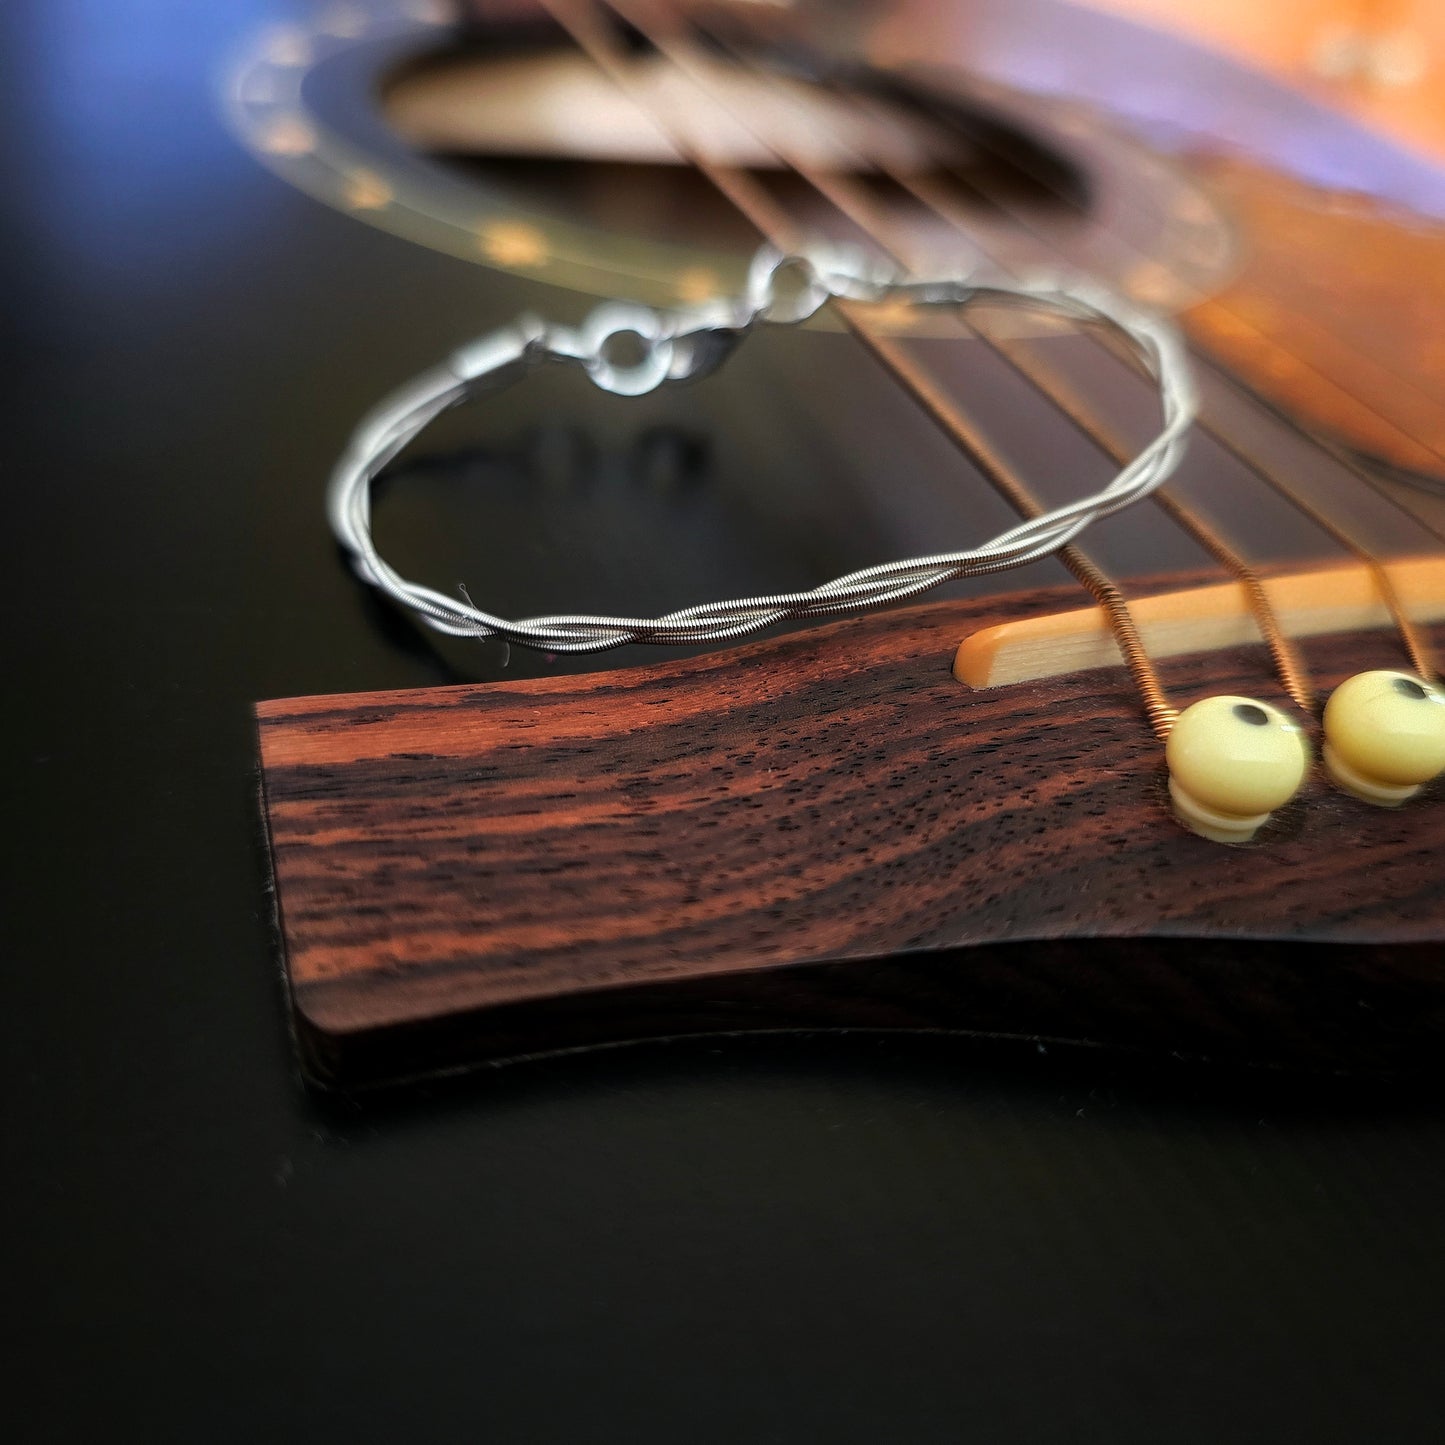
x=585, y=25
x=850, y=200
x=1285, y=656
x=929, y=194
x=1242, y=323
x=1417, y=648
x=1290, y=422
x=1337, y=453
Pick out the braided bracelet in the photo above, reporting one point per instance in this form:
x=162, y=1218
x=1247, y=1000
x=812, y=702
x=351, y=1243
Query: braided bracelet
x=686, y=344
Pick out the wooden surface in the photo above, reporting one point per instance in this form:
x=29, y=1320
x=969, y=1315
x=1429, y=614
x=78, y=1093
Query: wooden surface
x=1376, y=59
x=1333, y=310
x=744, y=839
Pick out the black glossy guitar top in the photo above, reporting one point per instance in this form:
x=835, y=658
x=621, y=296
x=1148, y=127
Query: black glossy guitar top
x=847, y=1239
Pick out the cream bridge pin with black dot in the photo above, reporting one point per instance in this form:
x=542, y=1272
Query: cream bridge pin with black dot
x=951, y=816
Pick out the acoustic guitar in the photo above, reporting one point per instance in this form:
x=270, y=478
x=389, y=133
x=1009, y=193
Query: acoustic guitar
x=954, y=815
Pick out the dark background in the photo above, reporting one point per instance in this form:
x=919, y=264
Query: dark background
x=791, y=1239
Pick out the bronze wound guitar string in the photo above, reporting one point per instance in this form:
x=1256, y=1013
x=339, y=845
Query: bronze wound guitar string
x=933, y=198
x=1289, y=665
x=688, y=344
x=1337, y=452
x=1334, y=451
x=1232, y=761
x=583, y=22
x=1287, y=662
x=849, y=198
x=1416, y=647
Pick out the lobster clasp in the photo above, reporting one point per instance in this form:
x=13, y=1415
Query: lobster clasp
x=704, y=336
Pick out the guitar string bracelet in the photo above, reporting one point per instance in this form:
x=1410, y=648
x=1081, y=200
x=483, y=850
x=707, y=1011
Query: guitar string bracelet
x=687, y=344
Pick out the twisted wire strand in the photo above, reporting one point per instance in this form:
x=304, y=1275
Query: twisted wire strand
x=506, y=356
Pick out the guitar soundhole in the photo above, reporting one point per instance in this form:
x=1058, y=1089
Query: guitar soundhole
x=542, y=125
x=517, y=148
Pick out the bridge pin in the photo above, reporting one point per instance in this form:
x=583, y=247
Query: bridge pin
x=1232, y=762
x=1384, y=736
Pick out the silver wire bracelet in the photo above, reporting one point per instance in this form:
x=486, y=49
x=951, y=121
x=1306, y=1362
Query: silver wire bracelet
x=687, y=344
